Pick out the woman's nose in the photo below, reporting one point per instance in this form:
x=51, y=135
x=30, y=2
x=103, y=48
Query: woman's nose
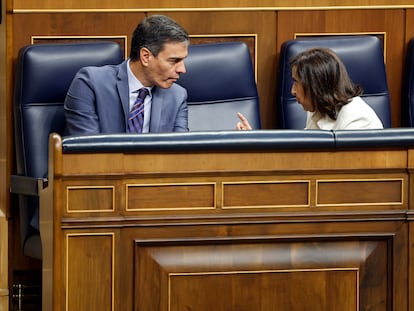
x=293, y=91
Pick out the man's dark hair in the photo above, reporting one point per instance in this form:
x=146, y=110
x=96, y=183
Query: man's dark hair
x=153, y=32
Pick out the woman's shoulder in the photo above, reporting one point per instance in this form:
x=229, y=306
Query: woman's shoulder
x=357, y=114
x=357, y=104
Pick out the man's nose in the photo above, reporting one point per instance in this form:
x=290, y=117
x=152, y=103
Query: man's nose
x=181, y=67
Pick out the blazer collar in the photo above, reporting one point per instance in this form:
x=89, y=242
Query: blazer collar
x=123, y=88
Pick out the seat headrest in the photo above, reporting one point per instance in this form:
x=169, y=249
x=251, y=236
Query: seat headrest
x=220, y=81
x=214, y=71
x=45, y=71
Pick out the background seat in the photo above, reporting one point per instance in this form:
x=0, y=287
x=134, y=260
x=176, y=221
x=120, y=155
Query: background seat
x=407, y=93
x=43, y=75
x=220, y=81
x=364, y=59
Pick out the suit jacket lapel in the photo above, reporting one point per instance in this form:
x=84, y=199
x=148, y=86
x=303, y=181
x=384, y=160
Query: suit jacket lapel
x=156, y=109
x=123, y=89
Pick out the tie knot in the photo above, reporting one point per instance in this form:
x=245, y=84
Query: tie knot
x=142, y=93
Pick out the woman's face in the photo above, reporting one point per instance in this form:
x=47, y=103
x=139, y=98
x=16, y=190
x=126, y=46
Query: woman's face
x=299, y=92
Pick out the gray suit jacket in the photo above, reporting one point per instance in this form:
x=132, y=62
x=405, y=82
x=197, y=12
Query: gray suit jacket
x=98, y=102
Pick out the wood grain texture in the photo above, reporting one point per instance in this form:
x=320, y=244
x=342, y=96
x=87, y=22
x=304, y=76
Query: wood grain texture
x=271, y=28
x=202, y=4
x=336, y=251
x=265, y=275
x=4, y=263
x=270, y=22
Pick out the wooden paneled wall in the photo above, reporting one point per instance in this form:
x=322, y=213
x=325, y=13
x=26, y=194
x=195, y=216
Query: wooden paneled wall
x=30, y=5
x=4, y=158
x=269, y=22
x=270, y=28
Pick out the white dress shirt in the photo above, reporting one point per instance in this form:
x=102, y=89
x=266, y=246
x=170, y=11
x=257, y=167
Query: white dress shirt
x=134, y=86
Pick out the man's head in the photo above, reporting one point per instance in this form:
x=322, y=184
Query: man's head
x=160, y=46
x=153, y=33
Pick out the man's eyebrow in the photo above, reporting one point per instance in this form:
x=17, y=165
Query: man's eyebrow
x=176, y=58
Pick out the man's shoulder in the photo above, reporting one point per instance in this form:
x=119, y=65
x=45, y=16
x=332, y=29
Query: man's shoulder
x=178, y=88
x=174, y=89
x=104, y=69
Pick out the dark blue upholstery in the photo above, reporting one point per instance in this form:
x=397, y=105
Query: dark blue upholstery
x=259, y=140
x=383, y=138
x=220, y=81
x=43, y=75
x=202, y=141
x=407, y=93
x=364, y=59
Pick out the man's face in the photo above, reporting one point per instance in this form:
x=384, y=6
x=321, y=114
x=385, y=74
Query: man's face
x=299, y=92
x=165, y=68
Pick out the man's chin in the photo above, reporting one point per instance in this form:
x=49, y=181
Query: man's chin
x=167, y=84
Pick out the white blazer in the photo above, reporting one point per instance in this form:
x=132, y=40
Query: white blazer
x=357, y=114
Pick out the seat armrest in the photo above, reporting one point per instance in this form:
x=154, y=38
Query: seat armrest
x=27, y=185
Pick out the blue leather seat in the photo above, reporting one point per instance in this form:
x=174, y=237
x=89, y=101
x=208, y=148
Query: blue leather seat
x=407, y=93
x=220, y=81
x=43, y=75
x=364, y=59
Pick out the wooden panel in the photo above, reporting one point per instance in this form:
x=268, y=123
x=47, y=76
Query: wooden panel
x=5, y=126
x=411, y=262
x=4, y=280
x=335, y=289
x=170, y=197
x=360, y=192
x=266, y=194
x=4, y=302
x=89, y=267
x=246, y=161
x=231, y=276
x=212, y=4
x=90, y=198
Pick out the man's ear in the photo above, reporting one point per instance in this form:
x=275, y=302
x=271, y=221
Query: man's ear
x=144, y=56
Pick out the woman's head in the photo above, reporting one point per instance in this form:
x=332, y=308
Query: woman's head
x=321, y=82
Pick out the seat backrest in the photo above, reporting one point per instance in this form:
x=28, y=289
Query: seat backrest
x=364, y=59
x=43, y=75
x=220, y=82
x=407, y=92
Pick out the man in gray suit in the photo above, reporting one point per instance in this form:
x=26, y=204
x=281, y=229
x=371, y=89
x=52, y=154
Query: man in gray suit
x=100, y=99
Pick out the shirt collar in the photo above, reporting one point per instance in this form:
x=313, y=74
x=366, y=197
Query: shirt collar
x=133, y=83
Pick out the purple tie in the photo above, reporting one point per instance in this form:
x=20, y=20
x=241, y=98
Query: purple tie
x=136, y=115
